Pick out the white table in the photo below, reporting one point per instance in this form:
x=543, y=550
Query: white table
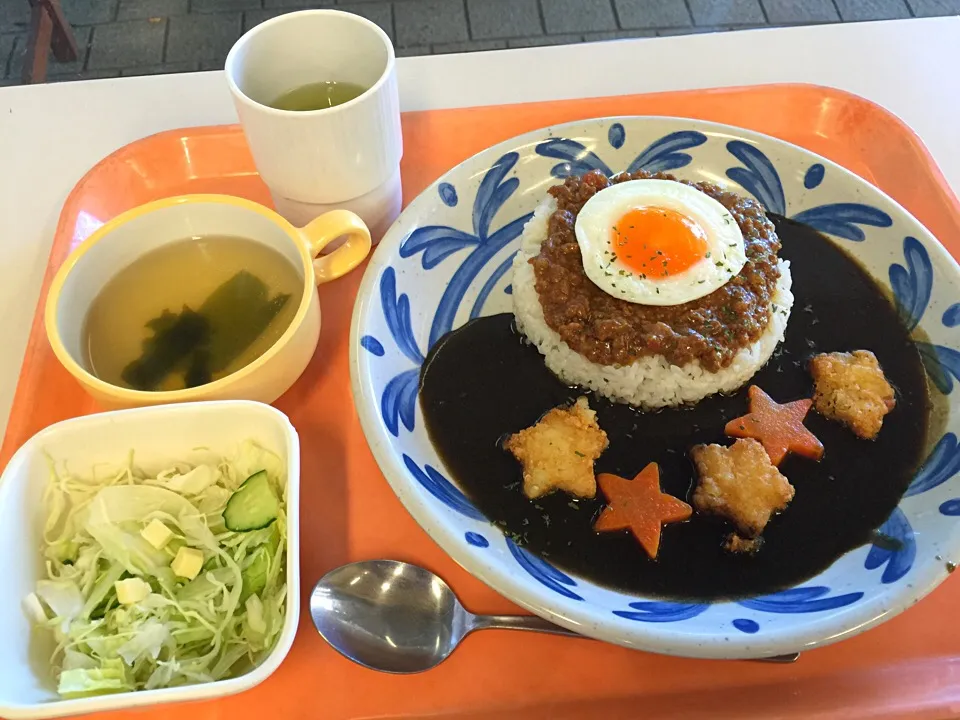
x=50, y=135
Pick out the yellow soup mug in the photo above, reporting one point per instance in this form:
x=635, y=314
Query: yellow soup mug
x=127, y=237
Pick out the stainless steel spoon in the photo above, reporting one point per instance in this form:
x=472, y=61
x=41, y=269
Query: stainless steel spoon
x=400, y=618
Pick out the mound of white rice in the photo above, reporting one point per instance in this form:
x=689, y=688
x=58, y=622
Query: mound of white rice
x=649, y=382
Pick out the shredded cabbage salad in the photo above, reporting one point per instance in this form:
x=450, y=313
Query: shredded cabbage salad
x=121, y=604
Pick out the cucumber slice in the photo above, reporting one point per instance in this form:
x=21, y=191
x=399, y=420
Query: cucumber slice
x=253, y=506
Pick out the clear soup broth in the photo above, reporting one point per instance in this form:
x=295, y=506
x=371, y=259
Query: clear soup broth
x=190, y=312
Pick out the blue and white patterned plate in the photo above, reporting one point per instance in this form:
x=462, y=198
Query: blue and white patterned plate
x=447, y=260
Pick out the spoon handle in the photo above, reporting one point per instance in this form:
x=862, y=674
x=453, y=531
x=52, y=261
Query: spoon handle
x=538, y=624
x=518, y=622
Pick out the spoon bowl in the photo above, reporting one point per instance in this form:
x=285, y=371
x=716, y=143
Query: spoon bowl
x=388, y=615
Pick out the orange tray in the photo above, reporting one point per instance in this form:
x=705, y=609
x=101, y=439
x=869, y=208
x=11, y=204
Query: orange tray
x=909, y=667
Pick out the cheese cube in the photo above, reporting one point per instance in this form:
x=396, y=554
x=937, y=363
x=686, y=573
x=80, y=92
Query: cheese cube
x=157, y=534
x=131, y=590
x=187, y=563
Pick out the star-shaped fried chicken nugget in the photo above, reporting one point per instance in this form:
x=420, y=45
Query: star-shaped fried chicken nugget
x=638, y=505
x=852, y=388
x=559, y=451
x=740, y=484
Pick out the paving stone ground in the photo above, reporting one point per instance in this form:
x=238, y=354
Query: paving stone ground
x=141, y=37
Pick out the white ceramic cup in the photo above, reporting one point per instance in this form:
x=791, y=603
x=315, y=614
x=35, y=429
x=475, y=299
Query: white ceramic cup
x=346, y=156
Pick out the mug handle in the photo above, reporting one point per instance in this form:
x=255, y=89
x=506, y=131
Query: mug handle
x=321, y=231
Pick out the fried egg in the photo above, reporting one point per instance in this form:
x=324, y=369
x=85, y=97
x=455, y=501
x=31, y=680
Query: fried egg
x=658, y=242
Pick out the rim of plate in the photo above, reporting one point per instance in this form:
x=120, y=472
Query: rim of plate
x=664, y=638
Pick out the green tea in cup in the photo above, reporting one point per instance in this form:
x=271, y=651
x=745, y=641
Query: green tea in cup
x=318, y=96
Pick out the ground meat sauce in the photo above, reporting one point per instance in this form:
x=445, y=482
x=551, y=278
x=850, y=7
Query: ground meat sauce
x=609, y=331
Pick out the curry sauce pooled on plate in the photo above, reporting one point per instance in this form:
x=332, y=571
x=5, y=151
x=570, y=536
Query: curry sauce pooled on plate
x=724, y=491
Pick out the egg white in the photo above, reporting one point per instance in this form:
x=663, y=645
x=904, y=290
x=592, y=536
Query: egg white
x=723, y=259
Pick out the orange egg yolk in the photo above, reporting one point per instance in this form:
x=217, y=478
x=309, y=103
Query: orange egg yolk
x=657, y=243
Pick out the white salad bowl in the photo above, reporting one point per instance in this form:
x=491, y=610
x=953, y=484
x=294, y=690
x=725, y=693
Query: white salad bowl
x=159, y=436
x=447, y=259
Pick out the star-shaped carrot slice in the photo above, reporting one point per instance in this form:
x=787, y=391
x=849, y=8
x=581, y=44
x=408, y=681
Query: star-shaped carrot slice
x=638, y=505
x=779, y=428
